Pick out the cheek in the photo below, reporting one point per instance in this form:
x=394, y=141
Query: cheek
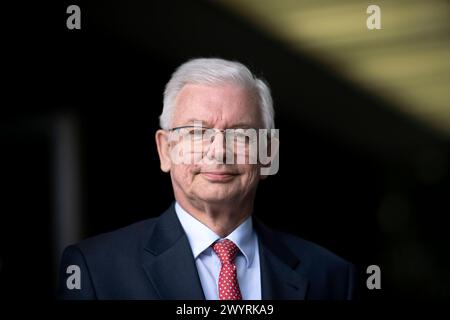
x=182, y=174
x=251, y=175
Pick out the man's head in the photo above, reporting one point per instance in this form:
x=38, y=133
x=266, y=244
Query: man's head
x=218, y=94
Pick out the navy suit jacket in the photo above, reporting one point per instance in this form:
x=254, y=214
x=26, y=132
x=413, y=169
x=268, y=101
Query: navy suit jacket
x=152, y=259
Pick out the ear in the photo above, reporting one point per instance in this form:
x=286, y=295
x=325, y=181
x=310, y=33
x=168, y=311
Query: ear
x=162, y=143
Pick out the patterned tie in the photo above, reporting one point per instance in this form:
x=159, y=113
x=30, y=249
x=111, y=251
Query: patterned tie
x=228, y=282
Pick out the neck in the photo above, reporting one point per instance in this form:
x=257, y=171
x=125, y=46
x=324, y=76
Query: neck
x=220, y=218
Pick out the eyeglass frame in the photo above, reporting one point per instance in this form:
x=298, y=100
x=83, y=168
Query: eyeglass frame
x=270, y=135
x=216, y=130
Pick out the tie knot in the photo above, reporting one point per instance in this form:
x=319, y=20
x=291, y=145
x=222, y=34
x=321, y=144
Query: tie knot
x=226, y=250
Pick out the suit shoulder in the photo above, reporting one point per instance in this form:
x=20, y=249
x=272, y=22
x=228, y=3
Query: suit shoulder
x=311, y=253
x=120, y=240
x=105, y=261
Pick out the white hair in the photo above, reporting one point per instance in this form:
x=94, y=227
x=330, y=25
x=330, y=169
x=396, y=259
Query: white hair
x=214, y=71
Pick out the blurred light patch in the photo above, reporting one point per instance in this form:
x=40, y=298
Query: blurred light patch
x=67, y=184
x=406, y=62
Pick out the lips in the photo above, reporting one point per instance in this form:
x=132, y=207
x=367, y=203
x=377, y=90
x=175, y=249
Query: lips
x=218, y=176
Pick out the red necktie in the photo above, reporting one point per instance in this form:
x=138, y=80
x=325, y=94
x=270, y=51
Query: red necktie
x=226, y=250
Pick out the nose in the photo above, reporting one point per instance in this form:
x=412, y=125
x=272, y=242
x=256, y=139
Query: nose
x=217, y=149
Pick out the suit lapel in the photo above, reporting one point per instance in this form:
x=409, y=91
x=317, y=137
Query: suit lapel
x=168, y=260
x=280, y=279
x=169, y=263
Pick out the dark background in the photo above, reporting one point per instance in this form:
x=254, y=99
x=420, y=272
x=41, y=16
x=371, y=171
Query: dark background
x=355, y=177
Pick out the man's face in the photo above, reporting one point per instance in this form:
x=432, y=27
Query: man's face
x=210, y=179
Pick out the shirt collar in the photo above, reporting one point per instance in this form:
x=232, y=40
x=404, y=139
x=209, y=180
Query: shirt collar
x=201, y=238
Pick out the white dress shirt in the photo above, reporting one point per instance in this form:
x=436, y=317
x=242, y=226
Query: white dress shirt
x=208, y=264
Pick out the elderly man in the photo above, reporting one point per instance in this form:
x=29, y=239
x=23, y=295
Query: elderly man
x=208, y=245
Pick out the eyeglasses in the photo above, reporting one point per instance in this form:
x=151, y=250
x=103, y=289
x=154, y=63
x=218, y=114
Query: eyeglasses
x=205, y=136
x=192, y=144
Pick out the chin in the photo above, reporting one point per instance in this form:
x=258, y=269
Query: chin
x=220, y=196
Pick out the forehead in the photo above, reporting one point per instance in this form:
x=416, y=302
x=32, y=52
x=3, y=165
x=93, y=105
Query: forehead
x=221, y=106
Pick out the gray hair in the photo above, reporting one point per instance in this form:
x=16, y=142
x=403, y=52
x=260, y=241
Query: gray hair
x=213, y=71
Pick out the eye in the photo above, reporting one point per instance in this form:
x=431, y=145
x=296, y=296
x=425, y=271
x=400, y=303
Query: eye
x=196, y=133
x=242, y=136
x=239, y=137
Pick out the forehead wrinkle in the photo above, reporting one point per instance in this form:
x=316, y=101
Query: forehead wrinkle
x=213, y=110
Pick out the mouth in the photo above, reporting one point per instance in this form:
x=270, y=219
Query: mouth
x=218, y=176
